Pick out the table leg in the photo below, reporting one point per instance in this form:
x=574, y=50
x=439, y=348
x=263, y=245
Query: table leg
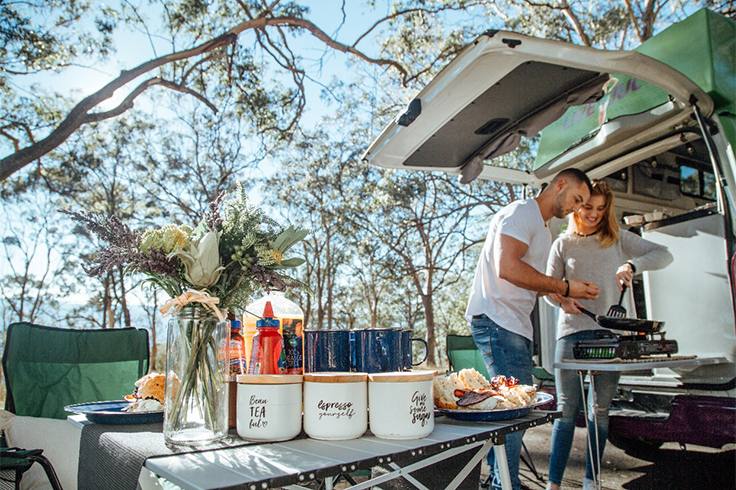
x=329, y=482
x=593, y=457
x=503, y=466
x=597, y=467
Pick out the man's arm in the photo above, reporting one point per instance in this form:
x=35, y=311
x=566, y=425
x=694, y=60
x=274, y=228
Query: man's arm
x=509, y=251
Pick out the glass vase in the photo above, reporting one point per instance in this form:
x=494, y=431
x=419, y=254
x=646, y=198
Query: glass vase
x=196, y=404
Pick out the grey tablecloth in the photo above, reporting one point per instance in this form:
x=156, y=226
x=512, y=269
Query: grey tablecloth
x=111, y=456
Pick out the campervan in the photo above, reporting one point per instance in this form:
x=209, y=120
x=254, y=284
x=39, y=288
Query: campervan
x=658, y=124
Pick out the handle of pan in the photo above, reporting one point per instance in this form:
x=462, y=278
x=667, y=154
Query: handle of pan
x=589, y=313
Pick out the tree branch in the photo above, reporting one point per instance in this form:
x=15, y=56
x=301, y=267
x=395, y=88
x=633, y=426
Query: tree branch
x=80, y=114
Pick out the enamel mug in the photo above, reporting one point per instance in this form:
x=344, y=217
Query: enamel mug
x=269, y=407
x=335, y=405
x=326, y=350
x=401, y=405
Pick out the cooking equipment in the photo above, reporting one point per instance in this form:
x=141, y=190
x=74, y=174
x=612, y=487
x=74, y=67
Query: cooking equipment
x=612, y=346
x=629, y=324
x=609, y=345
x=618, y=311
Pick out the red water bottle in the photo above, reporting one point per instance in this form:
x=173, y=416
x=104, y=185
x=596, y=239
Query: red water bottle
x=267, y=345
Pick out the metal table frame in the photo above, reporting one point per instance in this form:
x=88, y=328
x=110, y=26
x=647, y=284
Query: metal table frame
x=590, y=368
x=291, y=464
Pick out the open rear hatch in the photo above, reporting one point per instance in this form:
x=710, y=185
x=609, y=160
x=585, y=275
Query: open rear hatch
x=505, y=86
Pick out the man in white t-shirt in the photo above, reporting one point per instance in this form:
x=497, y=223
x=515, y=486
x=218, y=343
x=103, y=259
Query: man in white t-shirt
x=508, y=279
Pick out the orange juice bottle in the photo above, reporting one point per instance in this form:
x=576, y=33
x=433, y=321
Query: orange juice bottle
x=238, y=364
x=291, y=319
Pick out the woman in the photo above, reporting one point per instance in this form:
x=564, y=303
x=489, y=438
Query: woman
x=595, y=249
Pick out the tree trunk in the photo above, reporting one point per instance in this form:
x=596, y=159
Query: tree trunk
x=428, y=304
x=154, y=347
x=123, y=299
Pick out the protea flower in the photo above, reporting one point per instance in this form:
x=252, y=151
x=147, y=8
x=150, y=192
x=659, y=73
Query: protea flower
x=201, y=260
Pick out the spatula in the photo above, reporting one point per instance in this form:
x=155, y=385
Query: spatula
x=618, y=311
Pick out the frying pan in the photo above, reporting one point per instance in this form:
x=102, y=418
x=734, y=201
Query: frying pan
x=629, y=324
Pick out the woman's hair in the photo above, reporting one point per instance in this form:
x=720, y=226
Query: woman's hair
x=608, y=226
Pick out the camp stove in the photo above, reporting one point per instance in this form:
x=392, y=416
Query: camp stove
x=614, y=346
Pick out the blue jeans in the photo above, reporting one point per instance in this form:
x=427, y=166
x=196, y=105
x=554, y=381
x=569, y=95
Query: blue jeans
x=508, y=354
x=570, y=402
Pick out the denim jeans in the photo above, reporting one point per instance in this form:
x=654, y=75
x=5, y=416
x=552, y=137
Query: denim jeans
x=508, y=354
x=570, y=402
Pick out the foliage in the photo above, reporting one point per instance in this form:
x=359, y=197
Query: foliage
x=170, y=153
x=235, y=249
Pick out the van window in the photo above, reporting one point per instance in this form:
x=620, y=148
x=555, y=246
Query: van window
x=656, y=180
x=697, y=183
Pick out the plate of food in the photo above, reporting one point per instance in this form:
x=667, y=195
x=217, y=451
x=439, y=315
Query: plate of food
x=144, y=406
x=113, y=413
x=468, y=395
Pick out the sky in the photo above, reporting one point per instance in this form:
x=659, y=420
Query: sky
x=134, y=48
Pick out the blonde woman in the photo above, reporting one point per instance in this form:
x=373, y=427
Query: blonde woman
x=594, y=248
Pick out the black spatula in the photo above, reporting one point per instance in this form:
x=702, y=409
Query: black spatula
x=618, y=311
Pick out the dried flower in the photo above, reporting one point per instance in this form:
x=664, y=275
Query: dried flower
x=169, y=238
x=234, y=250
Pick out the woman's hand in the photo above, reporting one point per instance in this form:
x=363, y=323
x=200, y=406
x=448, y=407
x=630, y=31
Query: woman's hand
x=568, y=305
x=624, y=275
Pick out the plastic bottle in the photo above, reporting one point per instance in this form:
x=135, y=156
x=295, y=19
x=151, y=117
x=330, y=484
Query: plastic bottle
x=267, y=345
x=238, y=363
x=292, y=322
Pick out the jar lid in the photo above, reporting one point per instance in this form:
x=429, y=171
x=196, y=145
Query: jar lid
x=335, y=377
x=269, y=379
x=402, y=376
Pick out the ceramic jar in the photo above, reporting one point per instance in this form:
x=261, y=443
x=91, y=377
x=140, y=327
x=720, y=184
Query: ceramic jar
x=269, y=407
x=410, y=413
x=335, y=405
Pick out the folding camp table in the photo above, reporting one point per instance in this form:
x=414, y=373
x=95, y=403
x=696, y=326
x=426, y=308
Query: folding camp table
x=590, y=367
x=291, y=464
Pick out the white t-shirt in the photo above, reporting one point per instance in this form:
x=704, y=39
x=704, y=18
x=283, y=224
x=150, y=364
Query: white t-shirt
x=507, y=305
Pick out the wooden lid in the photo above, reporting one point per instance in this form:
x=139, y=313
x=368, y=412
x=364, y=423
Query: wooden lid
x=335, y=377
x=401, y=376
x=270, y=379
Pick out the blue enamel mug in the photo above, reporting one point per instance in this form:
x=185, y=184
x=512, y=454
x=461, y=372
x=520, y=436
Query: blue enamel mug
x=377, y=350
x=326, y=350
x=406, y=347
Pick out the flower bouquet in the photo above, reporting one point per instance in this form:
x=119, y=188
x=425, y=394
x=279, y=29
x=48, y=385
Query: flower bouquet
x=235, y=250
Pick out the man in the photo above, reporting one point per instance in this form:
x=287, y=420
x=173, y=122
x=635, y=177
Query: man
x=508, y=280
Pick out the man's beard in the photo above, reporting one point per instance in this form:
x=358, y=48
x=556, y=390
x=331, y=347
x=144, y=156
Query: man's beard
x=558, y=210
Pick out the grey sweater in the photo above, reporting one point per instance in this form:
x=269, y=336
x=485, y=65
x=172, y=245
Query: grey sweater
x=574, y=257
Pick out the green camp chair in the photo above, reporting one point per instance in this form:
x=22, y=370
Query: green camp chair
x=48, y=368
x=463, y=353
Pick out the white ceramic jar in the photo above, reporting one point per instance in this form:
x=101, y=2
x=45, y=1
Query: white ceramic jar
x=335, y=405
x=269, y=407
x=410, y=413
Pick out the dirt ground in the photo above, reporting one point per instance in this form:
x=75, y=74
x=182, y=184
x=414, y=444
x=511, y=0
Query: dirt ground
x=671, y=469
